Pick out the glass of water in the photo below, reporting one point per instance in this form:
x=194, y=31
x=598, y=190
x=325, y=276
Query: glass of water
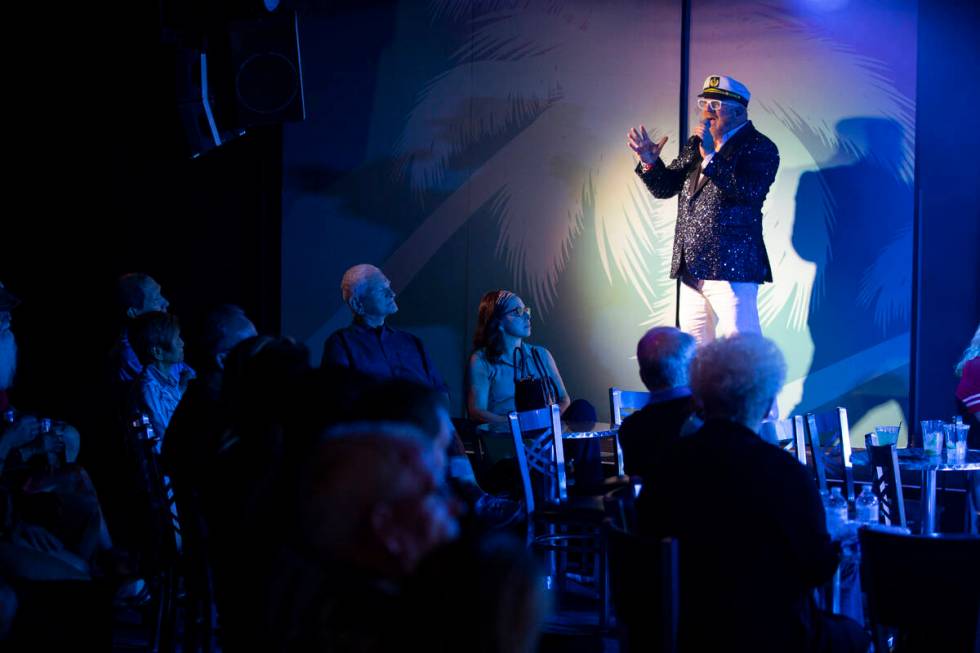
x=932, y=436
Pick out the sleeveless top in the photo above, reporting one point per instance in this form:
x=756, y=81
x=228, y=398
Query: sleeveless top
x=501, y=375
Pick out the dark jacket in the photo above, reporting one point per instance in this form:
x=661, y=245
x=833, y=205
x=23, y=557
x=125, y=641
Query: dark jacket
x=719, y=213
x=383, y=353
x=752, y=536
x=647, y=434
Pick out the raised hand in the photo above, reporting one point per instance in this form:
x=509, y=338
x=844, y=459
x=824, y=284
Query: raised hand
x=639, y=141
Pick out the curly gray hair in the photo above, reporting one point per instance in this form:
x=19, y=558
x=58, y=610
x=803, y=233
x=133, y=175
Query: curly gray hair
x=737, y=377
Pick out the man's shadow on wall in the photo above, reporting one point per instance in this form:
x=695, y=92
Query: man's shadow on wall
x=852, y=216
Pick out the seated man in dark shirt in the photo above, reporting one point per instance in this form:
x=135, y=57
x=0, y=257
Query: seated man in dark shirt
x=369, y=345
x=198, y=421
x=373, y=348
x=748, y=517
x=664, y=354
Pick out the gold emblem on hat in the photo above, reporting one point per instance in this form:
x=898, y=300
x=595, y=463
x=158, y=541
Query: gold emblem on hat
x=714, y=81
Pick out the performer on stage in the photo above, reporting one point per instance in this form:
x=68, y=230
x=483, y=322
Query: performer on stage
x=723, y=174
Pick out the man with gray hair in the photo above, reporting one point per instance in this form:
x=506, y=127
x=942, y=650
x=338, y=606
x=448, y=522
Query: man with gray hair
x=747, y=516
x=378, y=351
x=664, y=354
x=370, y=346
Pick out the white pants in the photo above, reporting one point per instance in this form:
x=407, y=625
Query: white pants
x=713, y=309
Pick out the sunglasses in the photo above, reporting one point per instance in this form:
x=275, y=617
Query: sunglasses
x=714, y=104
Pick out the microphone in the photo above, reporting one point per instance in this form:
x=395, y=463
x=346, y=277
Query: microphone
x=695, y=140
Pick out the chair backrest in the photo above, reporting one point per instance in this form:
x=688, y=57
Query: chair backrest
x=622, y=403
x=161, y=537
x=787, y=434
x=541, y=459
x=164, y=528
x=644, y=583
x=925, y=587
x=829, y=437
x=886, y=482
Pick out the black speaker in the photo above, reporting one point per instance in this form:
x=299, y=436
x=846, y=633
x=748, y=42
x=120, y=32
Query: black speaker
x=198, y=110
x=267, y=74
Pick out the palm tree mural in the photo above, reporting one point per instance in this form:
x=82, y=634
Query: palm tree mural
x=574, y=76
x=528, y=121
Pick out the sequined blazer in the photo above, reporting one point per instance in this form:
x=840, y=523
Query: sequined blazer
x=719, y=212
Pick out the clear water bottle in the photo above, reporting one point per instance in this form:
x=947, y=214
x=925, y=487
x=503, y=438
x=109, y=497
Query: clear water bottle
x=866, y=506
x=836, y=512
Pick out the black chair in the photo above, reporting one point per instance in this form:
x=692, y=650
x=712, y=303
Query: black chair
x=926, y=589
x=160, y=538
x=886, y=482
x=973, y=503
x=645, y=589
x=623, y=403
x=565, y=529
x=788, y=434
x=194, y=569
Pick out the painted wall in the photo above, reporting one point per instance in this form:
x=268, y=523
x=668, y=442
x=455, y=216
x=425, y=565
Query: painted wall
x=466, y=146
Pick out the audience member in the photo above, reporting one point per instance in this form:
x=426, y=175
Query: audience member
x=136, y=294
x=160, y=350
x=197, y=423
x=968, y=390
x=52, y=523
x=748, y=517
x=371, y=347
x=374, y=508
x=503, y=324
x=248, y=497
x=664, y=355
x=483, y=595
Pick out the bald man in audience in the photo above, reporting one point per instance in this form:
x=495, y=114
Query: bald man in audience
x=664, y=354
x=371, y=347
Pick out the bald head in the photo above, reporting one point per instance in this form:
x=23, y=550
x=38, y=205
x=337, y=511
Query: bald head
x=664, y=355
x=226, y=326
x=368, y=293
x=355, y=278
x=138, y=293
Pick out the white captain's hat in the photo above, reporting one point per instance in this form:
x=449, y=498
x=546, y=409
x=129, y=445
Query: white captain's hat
x=720, y=87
